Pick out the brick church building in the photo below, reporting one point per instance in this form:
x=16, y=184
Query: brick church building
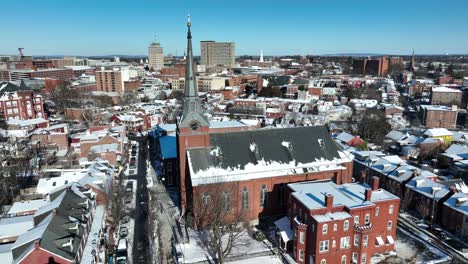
x=253, y=166
x=298, y=173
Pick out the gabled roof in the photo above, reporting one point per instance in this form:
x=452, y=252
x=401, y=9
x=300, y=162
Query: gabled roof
x=459, y=202
x=345, y=137
x=437, y=132
x=59, y=226
x=264, y=153
x=13, y=86
x=427, y=187
x=396, y=135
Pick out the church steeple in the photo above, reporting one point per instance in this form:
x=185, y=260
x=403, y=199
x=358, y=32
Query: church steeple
x=192, y=114
x=412, y=63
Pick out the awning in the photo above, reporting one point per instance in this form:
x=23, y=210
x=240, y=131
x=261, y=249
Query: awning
x=284, y=226
x=379, y=241
x=390, y=240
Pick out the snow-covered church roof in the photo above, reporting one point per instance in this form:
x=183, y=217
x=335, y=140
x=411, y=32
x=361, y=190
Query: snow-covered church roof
x=264, y=153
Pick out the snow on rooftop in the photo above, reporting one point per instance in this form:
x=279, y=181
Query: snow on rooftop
x=444, y=89
x=437, y=132
x=262, y=169
x=332, y=216
x=15, y=226
x=24, y=206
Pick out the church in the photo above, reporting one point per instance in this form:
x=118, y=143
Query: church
x=253, y=166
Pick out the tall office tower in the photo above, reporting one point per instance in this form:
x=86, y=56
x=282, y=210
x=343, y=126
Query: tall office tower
x=156, y=56
x=218, y=53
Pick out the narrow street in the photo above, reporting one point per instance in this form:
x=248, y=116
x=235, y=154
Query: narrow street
x=434, y=241
x=141, y=253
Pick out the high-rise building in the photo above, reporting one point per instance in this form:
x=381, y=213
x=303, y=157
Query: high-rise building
x=156, y=56
x=112, y=80
x=218, y=53
x=371, y=66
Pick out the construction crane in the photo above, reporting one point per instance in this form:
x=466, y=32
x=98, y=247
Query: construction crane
x=21, y=52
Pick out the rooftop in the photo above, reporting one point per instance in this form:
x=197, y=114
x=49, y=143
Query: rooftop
x=312, y=194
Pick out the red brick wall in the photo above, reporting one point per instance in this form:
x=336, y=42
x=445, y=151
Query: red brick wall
x=273, y=204
x=40, y=256
x=444, y=119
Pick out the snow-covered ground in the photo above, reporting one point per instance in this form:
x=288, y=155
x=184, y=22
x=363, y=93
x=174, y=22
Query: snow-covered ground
x=262, y=259
x=410, y=249
x=195, y=251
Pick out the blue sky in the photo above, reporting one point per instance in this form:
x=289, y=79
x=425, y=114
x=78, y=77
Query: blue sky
x=103, y=27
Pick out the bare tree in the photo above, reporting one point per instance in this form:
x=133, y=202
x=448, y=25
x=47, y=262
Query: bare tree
x=219, y=219
x=65, y=97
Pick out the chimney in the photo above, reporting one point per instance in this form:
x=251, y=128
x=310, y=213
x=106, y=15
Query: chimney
x=375, y=183
x=36, y=244
x=329, y=202
x=362, y=180
x=368, y=194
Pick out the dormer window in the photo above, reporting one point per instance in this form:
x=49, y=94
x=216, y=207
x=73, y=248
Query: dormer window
x=68, y=244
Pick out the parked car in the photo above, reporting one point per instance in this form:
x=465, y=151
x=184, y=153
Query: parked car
x=123, y=231
x=125, y=219
x=121, y=252
x=129, y=186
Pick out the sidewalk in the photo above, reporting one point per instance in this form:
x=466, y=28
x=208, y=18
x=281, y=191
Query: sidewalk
x=164, y=214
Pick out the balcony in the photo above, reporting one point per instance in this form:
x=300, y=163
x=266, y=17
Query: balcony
x=363, y=228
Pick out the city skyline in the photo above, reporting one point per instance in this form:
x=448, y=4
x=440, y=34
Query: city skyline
x=125, y=28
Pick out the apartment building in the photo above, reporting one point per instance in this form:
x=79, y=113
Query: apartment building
x=330, y=223
x=112, y=80
x=218, y=53
x=156, y=56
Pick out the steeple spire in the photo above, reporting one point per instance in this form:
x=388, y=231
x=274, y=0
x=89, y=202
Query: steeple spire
x=412, y=63
x=191, y=89
x=192, y=111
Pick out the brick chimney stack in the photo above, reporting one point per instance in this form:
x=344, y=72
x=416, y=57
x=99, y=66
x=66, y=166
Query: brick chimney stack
x=375, y=183
x=362, y=180
x=329, y=202
x=368, y=194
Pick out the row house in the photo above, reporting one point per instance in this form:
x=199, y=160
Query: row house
x=130, y=121
x=455, y=158
x=455, y=215
x=426, y=196
x=22, y=105
x=419, y=190
x=61, y=228
x=394, y=173
x=332, y=223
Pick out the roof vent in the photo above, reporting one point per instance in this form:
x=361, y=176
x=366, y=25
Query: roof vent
x=460, y=201
x=419, y=183
x=321, y=143
x=254, y=150
x=435, y=189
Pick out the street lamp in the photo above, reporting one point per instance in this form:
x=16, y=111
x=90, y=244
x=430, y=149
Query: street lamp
x=434, y=191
